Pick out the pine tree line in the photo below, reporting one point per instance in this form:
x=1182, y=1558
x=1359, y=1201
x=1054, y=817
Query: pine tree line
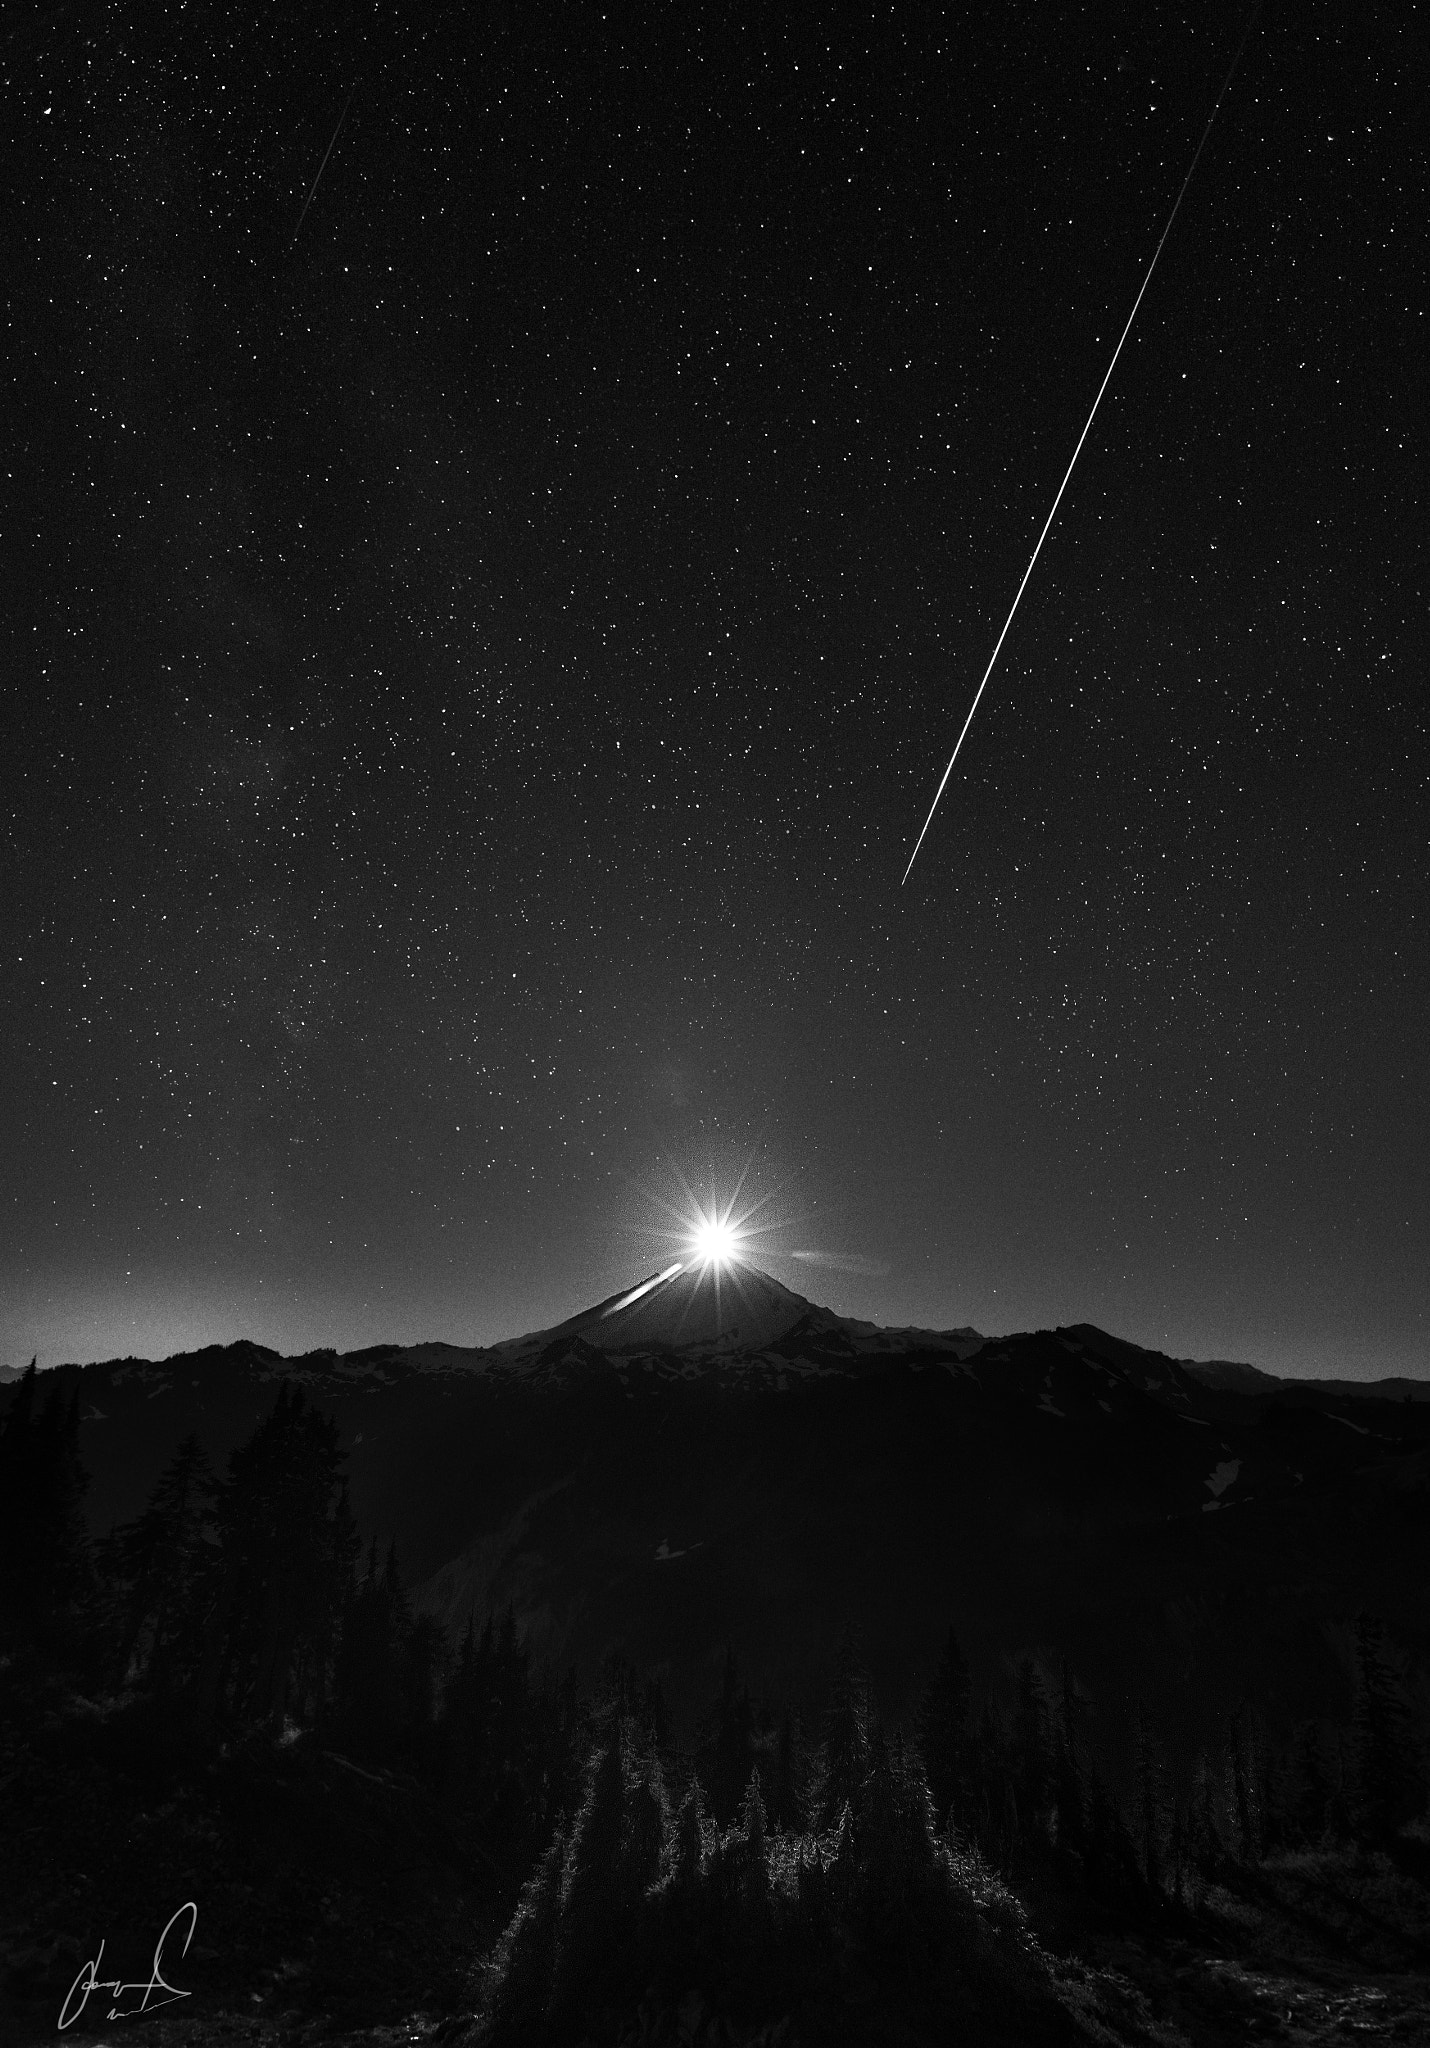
x=1031, y=1792
x=245, y=1604
x=645, y=1895
x=852, y=1854
x=246, y=1601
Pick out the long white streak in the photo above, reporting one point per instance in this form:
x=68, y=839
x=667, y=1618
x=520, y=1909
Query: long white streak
x=324, y=164
x=1176, y=205
x=656, y=1280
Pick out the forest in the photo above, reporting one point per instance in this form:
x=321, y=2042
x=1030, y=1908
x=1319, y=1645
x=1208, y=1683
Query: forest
x=776, y=1872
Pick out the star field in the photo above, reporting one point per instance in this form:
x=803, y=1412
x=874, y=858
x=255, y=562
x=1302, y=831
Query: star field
x=477, y=663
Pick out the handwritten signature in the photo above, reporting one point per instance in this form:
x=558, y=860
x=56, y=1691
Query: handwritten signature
x=89, y=1980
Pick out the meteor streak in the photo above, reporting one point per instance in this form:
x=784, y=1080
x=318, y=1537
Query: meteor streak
x=312, y=189
x=1176, y=205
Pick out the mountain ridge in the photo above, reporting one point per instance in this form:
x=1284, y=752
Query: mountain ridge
x=655, y=1316
x=628, y=1492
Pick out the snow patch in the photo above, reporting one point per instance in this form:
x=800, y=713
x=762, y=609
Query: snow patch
x=1223, y=1477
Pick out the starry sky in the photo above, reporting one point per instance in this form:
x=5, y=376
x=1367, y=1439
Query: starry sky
x=478, y=653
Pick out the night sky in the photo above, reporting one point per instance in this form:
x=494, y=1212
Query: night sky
x=475, y=670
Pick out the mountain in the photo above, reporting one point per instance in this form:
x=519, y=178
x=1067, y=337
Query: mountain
x=673, y=1470
x=1249, y=1379
x=706, y=1316
x=1241, y=1379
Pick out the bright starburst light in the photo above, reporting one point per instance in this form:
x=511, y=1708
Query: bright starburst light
x=716, y=1241
x=716, y=1221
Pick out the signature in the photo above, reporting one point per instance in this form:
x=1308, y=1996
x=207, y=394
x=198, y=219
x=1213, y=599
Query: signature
x=89, y=1980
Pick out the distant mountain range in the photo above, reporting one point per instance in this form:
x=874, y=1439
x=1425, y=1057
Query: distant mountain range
x=682, y=1311
x=672, y=1471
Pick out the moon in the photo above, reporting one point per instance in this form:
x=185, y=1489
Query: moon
x=716, y=1240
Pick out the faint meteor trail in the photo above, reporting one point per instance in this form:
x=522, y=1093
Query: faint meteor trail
x=312, y=189
x=1171, y=217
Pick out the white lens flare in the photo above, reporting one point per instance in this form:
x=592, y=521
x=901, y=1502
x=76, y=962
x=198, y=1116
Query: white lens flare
x=714, y=1231
x=716, y=1240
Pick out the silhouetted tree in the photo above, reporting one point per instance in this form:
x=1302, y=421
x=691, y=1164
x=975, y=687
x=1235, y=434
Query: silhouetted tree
x=1244, y=1766
x=1113, y=1865
x=387, y=1669
x=728, y=1754
x=1206, y=1841
x=1310, y=1787
x=613, y=1855
x=898, y=1856
x=1178, y=1852
x=287, y=1548
x=45, y=1563
x=510, y=1757
x=367, y=1695
x=848, y=1719
x=1387, y=1790
x=523, y=1964
x=1069, y=1788
x=941, y=1723
x=754, y=1823
x=1031, y=1755
x=165, y=1567
x=791, y=1777
x=1150, y=1776
x=637, y=1698
x=986, y=1776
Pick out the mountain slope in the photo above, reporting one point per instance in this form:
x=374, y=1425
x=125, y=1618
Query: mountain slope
x=662, y=1478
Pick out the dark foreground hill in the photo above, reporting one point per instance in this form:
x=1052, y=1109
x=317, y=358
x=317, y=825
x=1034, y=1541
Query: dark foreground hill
x=756, y=1670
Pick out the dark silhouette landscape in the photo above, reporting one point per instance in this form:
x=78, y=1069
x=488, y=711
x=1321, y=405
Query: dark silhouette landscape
x=701, y=1673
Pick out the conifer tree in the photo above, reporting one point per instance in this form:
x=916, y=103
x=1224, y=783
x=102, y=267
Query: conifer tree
x=1178, y=1846
x=755, y=1827
x=729, y=1752
x=285, y=1563
x=1387, y=1790
x=1112, y=1860
x=1010, y=1830
x=941, y=1723
x=1274, y=1769
x=848, y=1720
x=524, y=1962
x=1151, y=1787
x=1205, y=1840
x=613, y=1855
x=987, y=1769
x=1339, y=1821
x=45, y=1562
x=166, y=1560
x=1031, y=1751
x=368, y=1692
x=1069, y=1788
x=790, y=1789
x=1310, y=1789
x=1244, y=1761
x=689, y=1845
